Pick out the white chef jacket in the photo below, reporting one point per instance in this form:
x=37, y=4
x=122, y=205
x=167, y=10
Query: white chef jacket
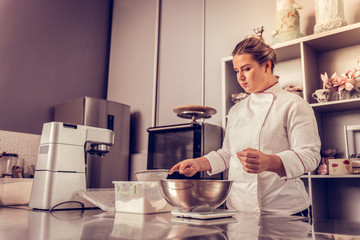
x=274, y=122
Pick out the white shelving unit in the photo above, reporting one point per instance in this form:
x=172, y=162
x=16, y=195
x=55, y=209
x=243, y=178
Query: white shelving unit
x=301, y=61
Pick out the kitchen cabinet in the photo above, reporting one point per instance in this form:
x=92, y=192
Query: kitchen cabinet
x=180, y=58
x=300, y=62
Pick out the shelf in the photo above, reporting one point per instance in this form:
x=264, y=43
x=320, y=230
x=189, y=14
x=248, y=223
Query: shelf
x=302, y=60
x=335, y=176
x=339, y=105
x=227, y=59
x=287, y=51
x=337, y=38
x=312, y=176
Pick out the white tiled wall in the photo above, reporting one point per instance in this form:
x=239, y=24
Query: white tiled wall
x=24, y=144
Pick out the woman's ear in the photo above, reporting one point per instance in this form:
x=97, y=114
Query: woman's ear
x=268, y=66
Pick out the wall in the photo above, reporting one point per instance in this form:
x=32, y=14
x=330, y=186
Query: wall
x=50, y=52
x=25, y=145
x=133, y=54
x=226, y=25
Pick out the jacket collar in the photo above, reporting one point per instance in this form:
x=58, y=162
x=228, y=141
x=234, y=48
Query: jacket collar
x=273, y=88
x=272, y=91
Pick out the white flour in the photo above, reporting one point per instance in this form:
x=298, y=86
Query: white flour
x=139, y=197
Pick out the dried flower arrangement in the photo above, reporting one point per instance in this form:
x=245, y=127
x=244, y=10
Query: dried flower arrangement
x=348, y=82
x=237, y=97
x=292, y=88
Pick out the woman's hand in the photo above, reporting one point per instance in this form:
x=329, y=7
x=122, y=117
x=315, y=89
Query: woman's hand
x=190, y=167
x=255, y=161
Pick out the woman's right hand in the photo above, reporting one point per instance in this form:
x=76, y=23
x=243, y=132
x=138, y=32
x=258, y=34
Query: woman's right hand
x=190, y=167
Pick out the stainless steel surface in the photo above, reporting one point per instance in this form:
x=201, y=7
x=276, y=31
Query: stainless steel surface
x=99, y=149
x=20, y=223
x=195, y=195
x=114, y=166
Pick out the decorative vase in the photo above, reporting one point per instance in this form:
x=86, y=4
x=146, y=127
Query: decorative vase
x=329, y=15
x=354, y=94
x=334, y=96
x=344, y=94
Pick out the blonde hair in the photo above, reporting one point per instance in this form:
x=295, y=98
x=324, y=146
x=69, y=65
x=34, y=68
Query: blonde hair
x=260, y=51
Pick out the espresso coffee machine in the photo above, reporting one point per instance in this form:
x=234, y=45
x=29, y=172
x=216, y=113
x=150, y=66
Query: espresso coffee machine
x=61, y=165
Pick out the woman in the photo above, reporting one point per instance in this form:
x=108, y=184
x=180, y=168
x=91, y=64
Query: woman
x=271, y=140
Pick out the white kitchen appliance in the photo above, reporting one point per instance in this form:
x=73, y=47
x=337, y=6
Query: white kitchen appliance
x=61, y=164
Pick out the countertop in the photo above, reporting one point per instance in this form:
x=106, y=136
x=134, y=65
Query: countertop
x=24, y=223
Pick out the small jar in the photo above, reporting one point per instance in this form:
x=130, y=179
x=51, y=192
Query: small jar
x=7, y=162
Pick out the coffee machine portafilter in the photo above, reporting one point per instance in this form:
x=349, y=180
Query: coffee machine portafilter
x=61, y=165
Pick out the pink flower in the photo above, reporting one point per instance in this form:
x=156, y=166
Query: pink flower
x=340, y=82
x=328, y=82
x=346, y=81
x=356, y=75
x=337, y=80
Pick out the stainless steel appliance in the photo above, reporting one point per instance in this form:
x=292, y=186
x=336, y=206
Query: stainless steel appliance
x=171, y=144
x=101, y=113
x=60, y=167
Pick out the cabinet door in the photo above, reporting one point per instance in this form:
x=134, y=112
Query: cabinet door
x=180, y=58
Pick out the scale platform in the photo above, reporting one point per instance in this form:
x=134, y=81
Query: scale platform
x=215, y=214
x=204, y=222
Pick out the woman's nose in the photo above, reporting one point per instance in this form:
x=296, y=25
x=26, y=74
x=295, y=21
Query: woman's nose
x=241, y=77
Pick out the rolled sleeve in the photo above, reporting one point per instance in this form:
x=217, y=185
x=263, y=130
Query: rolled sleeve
x=219, y=161
x=304, y=153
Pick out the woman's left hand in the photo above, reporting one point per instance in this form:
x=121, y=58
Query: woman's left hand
x=255, y=161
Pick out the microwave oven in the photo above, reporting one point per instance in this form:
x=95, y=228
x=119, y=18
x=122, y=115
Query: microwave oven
x=171, y=144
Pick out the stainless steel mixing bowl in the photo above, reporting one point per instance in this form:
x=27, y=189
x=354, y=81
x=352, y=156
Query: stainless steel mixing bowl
x=190, y=195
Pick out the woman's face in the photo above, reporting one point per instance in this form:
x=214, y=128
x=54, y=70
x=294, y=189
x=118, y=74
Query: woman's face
x=252, y=76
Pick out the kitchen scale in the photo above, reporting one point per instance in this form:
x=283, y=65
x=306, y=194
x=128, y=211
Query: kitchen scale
x=194, y=112
x=207, y=222
x=204, y=222
x=215, y=214
x=215, y=217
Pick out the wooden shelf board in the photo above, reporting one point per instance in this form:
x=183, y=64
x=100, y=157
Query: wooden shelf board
x=339, y=105
x=334, y=39
x=312, y=176
x=287, y=51
x=336, y=176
